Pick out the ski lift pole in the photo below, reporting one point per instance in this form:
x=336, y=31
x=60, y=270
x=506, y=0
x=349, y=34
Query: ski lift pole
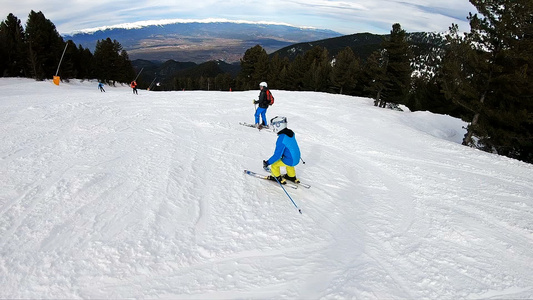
x=138, y=74
x=56, y=78
x=64, y=50
x=152, y=83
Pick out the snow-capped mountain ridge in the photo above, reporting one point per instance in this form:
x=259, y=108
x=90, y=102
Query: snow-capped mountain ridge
x=141, y=24
x=198, y=40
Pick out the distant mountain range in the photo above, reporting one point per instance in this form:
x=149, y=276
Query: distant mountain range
x=208, y=48
x=199, y=41
x=362, y=44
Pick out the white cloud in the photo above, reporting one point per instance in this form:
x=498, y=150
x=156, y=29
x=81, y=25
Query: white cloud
x=343, y=16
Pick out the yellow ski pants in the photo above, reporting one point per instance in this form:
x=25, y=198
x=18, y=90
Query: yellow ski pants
x=275, y=169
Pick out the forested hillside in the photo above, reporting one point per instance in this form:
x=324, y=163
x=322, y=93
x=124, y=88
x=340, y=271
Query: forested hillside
x=38, y=51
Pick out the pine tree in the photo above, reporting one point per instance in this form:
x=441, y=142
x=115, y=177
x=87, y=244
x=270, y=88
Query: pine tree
x=104, y=58
x=428, y=51
x=83, y=63
x=223, y=82
x=12, y=48
x=112, y=63
x=284, y=79
x=398, y=74
x=254, y=68
x=276, y=66
x=489, y=72
x=296, y=74
x=45, y=46
x=317, y=76
x=503, y=33
x=125, y=72
x=68, y=65
x=345, y=71
x=374, y=75
x=460, y=75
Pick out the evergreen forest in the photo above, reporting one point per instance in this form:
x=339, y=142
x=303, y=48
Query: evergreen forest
x=484, y=75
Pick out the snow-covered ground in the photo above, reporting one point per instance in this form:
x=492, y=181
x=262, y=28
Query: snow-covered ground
x=113, y=195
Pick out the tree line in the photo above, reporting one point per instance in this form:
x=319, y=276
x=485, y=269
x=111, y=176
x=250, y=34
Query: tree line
x=36, y=50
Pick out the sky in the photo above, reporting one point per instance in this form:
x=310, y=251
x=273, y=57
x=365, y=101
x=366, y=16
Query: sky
x=111, y=195
x=345, y=17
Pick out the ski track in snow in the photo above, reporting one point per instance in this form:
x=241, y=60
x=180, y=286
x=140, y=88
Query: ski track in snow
x=112, y=195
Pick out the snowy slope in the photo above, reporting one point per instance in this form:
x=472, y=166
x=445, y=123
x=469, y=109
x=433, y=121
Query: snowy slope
x=112, y=195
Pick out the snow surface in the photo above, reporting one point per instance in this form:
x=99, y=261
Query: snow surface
x=113, y=195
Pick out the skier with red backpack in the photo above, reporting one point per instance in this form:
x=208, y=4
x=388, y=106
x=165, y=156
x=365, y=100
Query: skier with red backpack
x=265, y=99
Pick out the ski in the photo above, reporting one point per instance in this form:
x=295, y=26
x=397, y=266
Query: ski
x=247, y=124
x=305, y=185
x=253, y=126
x=265, y=177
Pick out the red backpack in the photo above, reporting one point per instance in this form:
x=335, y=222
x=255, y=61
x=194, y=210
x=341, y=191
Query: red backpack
x=269, y=97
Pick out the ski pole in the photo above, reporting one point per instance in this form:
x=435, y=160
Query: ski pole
x=299, y=210
x=302, y=160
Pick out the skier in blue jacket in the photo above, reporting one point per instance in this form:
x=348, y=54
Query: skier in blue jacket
x=287, y=153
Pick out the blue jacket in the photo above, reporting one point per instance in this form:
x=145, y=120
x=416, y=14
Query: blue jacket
x=286, y=149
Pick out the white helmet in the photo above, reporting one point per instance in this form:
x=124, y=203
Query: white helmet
x=263, y=84
x=278, y=123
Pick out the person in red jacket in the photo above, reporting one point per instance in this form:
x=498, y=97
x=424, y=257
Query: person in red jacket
x=133, y=85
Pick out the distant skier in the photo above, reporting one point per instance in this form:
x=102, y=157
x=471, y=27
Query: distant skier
x=286, y=154
x=101, y=87
x=263, y=105
x=133, y=85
